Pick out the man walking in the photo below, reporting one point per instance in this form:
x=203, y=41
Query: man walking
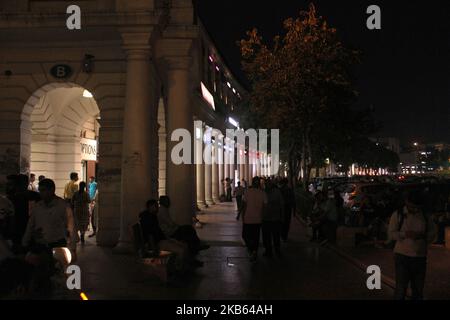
x=413, y=231
x=272, y=219
x=71, y=187
x=93, y=212
x=254, y=202
x=239, y=194
x=288, y=208
x=51, y=223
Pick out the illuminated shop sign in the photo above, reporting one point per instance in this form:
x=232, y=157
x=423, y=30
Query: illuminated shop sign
x=208, y=96
x=88, y=149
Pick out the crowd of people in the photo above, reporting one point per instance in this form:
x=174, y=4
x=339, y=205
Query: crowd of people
x=267, y=205
x=33, y=222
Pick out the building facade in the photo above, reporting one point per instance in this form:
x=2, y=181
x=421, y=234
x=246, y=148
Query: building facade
x=105, y=99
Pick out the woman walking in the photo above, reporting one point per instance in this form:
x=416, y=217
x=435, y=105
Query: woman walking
x=80, y=203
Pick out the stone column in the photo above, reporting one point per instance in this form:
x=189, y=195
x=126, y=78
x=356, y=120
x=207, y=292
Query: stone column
x=208, y=170
x=246, y=166
x=232, y=160
x=221, y=168
x=258, y=163
x=215, y=173
x=136, y=184
x=265, y=173
x=226, y=163
x=269, y=165
x=200, y=167
x=180, y=178
x=250, y=166
x=241, y=164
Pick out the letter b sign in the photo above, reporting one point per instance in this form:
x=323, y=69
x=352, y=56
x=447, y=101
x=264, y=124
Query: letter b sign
x=61, y=71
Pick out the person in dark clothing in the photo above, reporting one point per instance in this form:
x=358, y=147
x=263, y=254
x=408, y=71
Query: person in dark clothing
x=228, y=189
x=239, y=194
x=272, y=219
x=184, y=233
x=22, y=200
x=339, y=207
x=151, y=231
x=288, y=208
x=156, y=240
x=318, y=217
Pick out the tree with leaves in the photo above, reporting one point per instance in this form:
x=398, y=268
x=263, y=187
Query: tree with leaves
x=299, y=80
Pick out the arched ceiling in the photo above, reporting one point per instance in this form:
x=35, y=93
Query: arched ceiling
x=63, y=111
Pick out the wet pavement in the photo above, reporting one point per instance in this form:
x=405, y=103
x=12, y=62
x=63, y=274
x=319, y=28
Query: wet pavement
x=305, y=271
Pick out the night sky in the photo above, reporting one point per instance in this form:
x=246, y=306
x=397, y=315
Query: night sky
x=405, y=70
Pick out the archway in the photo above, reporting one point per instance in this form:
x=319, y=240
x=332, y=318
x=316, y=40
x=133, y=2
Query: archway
x=59, y=133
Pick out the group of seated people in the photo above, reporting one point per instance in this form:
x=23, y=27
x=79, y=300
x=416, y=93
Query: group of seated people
x=161, y=233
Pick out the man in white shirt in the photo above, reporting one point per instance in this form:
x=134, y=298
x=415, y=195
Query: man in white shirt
x=413, y=231
x=51, y=222
x=254, y=203
x=32, y=183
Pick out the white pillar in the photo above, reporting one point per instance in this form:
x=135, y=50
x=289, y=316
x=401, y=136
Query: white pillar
x=181, y=177
x=250, y=166
x=215, y=174
x=241, y=162
x=221, y=168
x=258, y=164
x=226, y=164
x=200, y=167
x=208, y=168
x=269, y=165
x=232, y=161
x=266, y=164
x=136, y=175
x=246, y=168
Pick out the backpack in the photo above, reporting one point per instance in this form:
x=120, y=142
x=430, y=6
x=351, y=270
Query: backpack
x=401, y=214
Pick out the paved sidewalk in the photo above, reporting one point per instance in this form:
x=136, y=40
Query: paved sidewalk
x=437, y=285
x=306, y=271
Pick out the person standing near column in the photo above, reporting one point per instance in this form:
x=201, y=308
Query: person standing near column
x=272, y=219
x=32, y=185
x=239, y=194
x=254, y=203
x=52, y=222
x=93, y=212
x=288, y=208
x=71, y=187
x=80, y=204
x=228, y=188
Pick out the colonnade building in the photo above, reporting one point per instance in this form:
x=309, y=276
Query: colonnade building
x=105, y=99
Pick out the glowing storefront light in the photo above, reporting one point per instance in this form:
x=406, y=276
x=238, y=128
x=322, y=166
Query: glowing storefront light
x=87, y=94
x=198, y=133
x=208, y=96
x=233, y=122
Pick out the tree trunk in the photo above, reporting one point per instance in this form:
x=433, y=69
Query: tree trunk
x=306, y=159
